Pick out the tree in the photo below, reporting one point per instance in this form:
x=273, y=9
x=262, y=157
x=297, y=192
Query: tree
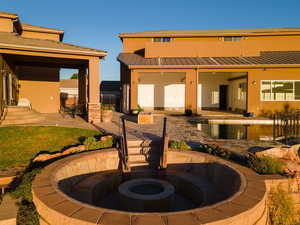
x=74, y=76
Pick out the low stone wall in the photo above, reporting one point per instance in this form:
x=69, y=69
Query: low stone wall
x=243, y=192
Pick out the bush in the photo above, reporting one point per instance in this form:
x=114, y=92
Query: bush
x=188, y=112
x=281, y=208
x=179, y=145
x=23, y=190
x=91, y=143
x=265, y=165
x=215, y=150
x=27, y=214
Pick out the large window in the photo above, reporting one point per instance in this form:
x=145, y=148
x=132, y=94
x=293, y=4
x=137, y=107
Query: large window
x=280, y=90
x=162, y=39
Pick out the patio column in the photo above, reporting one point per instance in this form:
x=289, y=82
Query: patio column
x=82, y=96
x=94, y=91
x=134, y=89
x=191, y=90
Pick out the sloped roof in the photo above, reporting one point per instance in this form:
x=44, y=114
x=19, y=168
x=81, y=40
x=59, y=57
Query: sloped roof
x=15, y=41
x=8, y=15
x=225, y=32
x=266, y=58
x=31, y=27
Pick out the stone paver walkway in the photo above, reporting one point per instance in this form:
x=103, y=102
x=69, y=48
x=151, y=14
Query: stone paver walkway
x=56, y=119
x=8, y=211
x=180, y=128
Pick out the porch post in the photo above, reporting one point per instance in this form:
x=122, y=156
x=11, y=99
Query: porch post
x=94, y=91
x=133, y=89
x=82, y=96
x=191, y=90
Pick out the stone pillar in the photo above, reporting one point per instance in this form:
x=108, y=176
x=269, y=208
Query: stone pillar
x=82, y=95
x=94, y=91
x=191, y=90
x=133, y=89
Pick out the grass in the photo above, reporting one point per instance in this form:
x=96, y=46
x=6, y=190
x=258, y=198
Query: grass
x=282, y=209
x=19, y=144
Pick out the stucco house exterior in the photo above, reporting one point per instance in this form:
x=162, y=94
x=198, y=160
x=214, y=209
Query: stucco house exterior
x=244, y=70
x=30, y=59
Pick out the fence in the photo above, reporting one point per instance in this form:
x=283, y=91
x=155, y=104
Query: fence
x=286, y=125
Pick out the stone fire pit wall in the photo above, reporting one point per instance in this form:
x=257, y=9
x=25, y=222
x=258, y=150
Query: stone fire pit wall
x=242, y=201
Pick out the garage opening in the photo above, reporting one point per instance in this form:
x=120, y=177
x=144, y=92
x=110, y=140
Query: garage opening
x=161, y=91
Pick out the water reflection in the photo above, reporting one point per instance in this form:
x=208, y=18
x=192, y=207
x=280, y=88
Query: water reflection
x=238, y=132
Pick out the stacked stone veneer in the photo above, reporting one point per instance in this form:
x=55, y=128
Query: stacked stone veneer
x=94, y=113
x=243, y=193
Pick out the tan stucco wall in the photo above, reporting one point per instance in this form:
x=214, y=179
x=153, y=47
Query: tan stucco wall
x=254, y=82
x=41, y=86
x=40, y=35
x=6, y=25
x=212, y=46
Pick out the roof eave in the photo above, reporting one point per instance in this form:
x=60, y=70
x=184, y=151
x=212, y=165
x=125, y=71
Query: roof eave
x=211, y=66
x=52, y=50
x=121, y=36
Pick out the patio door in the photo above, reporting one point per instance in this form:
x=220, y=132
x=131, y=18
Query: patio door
x=223, y=97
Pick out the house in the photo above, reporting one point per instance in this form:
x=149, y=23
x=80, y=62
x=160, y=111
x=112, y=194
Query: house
x=30, y=59
x=244, y=70
x=68, y=91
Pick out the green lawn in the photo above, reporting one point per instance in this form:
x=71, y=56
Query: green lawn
x=18, y=144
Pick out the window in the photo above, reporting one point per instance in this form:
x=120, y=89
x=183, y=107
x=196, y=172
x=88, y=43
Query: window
x=280, y=90
x=162, y=39
x=233, y=38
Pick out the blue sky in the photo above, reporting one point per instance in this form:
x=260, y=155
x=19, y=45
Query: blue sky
x=96, y=23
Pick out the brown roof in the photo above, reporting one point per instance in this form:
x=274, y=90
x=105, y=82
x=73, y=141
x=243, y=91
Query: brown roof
x=15, y=41
x=266, y=58
x=68, y=83
x=225, y=32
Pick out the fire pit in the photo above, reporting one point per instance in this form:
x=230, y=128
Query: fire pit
x=146, y=195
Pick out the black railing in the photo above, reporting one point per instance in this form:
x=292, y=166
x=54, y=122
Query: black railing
x=286, y=125
x=164, y=146
x=124, y=148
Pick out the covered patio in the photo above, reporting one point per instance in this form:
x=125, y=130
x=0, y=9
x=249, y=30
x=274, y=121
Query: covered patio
x=30, y=70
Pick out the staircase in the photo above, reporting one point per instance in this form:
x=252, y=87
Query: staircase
x=143, y=154
x=17, y=115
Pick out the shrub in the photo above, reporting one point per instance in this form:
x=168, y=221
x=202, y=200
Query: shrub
x=265, y=165
x=107, y=107
x=91, y=143
x=215, y=150
x=23, y=190
x=27, y=214
x=179, y=145
x=188, y=112
x=281, y=208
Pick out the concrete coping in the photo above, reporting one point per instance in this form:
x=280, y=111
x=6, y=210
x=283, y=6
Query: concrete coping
x=247, y=205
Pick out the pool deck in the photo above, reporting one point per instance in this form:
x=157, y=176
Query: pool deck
x=183, y=128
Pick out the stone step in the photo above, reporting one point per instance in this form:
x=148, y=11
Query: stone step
x=17, y=109
x=138, y=163
x=21, y=121
x=136, y=157
x=27, y=115
x=138, y=150
x=17, y=113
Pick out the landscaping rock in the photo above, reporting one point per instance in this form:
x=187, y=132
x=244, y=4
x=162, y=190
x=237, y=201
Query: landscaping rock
x=290, y=167
x=46, y=156
x=280, y=153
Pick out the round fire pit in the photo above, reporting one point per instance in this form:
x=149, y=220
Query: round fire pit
x=146, y=195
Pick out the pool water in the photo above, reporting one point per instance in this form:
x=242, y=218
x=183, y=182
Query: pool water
x=237, y=132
